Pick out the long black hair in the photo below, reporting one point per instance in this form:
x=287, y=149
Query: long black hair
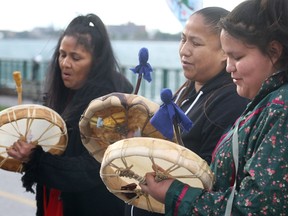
x=103, y=77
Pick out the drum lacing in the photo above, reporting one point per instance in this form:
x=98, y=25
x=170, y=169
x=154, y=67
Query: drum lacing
x=136, y=193
x=127, y=172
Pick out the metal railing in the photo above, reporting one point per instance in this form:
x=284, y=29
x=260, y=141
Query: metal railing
x=32, y=79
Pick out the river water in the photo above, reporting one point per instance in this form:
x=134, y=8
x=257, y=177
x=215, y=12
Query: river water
x=161, y=53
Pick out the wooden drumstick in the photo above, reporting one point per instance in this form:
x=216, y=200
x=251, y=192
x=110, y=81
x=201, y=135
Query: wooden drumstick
x=18, y=80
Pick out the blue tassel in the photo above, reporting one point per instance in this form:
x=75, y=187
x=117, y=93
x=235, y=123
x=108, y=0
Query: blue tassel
x=144, y=68
x=169, y=113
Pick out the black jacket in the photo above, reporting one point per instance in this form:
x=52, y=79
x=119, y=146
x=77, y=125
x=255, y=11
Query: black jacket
x=216, y=109
x=76, y=172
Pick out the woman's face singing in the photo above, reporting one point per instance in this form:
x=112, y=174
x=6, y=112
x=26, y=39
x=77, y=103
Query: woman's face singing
x=75, y=62
x=200, y=51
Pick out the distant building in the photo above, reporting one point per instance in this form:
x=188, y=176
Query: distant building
x=36, y=33
x=128, y=31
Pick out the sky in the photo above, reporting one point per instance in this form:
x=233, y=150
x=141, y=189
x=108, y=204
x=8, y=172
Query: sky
x=21, y=15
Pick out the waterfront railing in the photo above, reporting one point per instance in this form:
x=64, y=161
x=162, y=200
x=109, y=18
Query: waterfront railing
x=33, y=76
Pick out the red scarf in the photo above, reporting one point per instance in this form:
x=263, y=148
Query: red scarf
x=54, y=206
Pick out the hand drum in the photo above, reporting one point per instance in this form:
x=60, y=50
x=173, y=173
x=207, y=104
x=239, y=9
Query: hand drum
x=110, y=118
x=126, y=162
x=32, y=123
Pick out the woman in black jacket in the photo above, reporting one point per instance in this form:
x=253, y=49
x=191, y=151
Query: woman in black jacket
x=83, y=67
